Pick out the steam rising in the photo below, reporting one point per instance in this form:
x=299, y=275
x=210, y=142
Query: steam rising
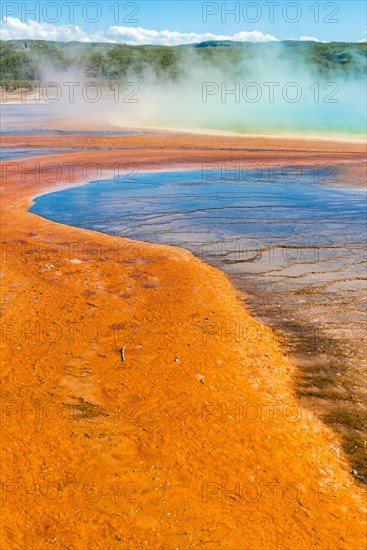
x=274, y=93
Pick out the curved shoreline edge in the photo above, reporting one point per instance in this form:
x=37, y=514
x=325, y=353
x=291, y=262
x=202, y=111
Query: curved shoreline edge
x=195, y=432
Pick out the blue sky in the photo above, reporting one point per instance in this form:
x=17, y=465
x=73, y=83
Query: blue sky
x=109, y=20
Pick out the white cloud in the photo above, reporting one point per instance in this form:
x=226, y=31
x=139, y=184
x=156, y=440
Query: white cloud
x=253, y=36
x=309, y=39
x=138, y=35
x=13, y=28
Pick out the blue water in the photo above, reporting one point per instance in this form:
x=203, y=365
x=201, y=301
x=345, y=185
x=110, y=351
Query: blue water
x=15, y=153
x=50, y=132
x=297, y=250
x=38, y=119
x=189, y=207
x=292, y=237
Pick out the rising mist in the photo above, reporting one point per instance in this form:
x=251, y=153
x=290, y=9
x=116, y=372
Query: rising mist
x=269, y=90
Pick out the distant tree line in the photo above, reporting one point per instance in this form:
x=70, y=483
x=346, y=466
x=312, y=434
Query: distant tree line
x=22, y=61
